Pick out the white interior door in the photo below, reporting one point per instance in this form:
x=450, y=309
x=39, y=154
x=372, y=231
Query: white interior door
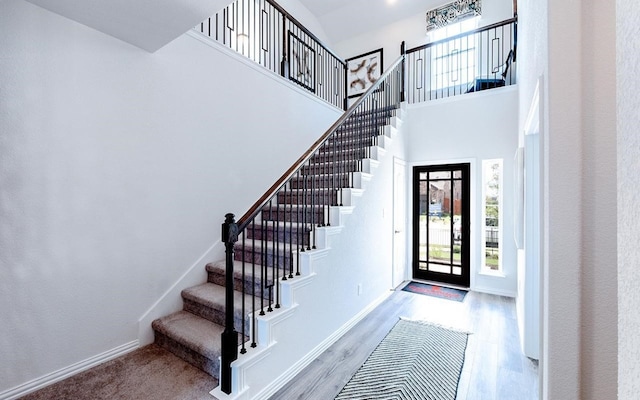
x=399, y=273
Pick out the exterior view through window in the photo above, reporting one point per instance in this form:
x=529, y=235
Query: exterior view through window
x=492, y=215
x=454, y=62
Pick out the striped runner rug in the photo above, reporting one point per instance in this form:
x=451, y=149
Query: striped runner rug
x=416, y=360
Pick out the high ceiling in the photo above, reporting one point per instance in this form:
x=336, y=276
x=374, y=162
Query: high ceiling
x=148, y=24
x=342, y=19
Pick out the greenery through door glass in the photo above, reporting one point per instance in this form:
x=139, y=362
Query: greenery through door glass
x=492, y=176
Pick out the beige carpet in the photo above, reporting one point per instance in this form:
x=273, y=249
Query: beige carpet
x=147, y=373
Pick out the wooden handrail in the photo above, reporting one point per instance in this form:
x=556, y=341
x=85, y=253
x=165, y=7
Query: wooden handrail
x=273, y=190
x=464, y=34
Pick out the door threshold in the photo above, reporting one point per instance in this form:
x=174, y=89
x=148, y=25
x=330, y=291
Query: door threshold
x=436, y=283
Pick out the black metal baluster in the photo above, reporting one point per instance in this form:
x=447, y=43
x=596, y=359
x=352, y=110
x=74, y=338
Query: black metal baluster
x=253, y=285
x=290, y=227
x=277, y=255
x=263, y=259
x=243, y=350
x=265, y=250
x=313, y=210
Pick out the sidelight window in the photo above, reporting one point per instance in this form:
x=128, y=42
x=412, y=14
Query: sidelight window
x=492, y=215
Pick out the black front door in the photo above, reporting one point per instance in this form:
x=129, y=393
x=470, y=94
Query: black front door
x=441, y=223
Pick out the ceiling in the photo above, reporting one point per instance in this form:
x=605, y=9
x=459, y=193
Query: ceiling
x=343, y=19
x=148, y=24
x=151, y=24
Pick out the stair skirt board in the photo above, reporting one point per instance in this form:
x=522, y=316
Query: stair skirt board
x=64, y=373
x=240, y=389
x=203, y=305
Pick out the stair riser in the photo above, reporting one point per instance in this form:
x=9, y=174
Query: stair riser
x=212, y=367
x=351, y=146
x=317, y=182
x=366, y=123
x=260, y=290
x=341, y=157
x=331, y=167
x=322, y=197
x=214, y=315
x=267, y=258
x=291, y=235
x=355, y=137
x=294, y=216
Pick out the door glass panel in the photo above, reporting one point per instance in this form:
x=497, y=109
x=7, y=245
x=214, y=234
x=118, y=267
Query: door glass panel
x=422, y=234
x=443, y=269
x=440, y=175
x=457, y=221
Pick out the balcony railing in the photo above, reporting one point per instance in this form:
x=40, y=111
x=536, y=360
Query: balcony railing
x=469, y=62
x=264, y=32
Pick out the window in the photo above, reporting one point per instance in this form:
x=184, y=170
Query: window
x=453, y=62
x=492, y=215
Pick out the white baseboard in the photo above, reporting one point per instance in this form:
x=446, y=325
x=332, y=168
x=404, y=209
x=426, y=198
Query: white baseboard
x=67, y=372
x=282, y=380
x=497, y=292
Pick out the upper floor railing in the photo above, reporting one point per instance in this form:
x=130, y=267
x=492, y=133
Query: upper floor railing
x=469, y=62
x=266, y=33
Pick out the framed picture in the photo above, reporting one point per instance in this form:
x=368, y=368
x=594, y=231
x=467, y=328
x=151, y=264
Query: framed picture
x=302, y=63
x=363, y=71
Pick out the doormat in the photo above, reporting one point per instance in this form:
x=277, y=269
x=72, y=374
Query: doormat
x=435, y=291
x=416, y=360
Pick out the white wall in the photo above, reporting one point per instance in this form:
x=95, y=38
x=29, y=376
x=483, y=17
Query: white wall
x=307, y=19
x=628, y=104
x=599, y=264
x=114, y=165
x=412, y=30
x=473, y=127
x=579, y=303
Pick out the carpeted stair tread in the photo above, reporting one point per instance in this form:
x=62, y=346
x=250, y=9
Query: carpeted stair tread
x=213, y=296
x=195, y=333
x=216, y=275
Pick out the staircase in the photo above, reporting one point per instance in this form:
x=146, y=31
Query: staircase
x=269, y=248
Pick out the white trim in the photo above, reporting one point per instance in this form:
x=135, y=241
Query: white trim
x=67, y=372
x=296, y=368
x=301, y=364
x=494, y=291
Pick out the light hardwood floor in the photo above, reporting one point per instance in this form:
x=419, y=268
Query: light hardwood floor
x=494, y=366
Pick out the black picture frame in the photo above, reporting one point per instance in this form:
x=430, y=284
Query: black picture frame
x=363, y=71
x=302, y=63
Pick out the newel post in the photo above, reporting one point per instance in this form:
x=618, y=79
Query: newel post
x=229, y=336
